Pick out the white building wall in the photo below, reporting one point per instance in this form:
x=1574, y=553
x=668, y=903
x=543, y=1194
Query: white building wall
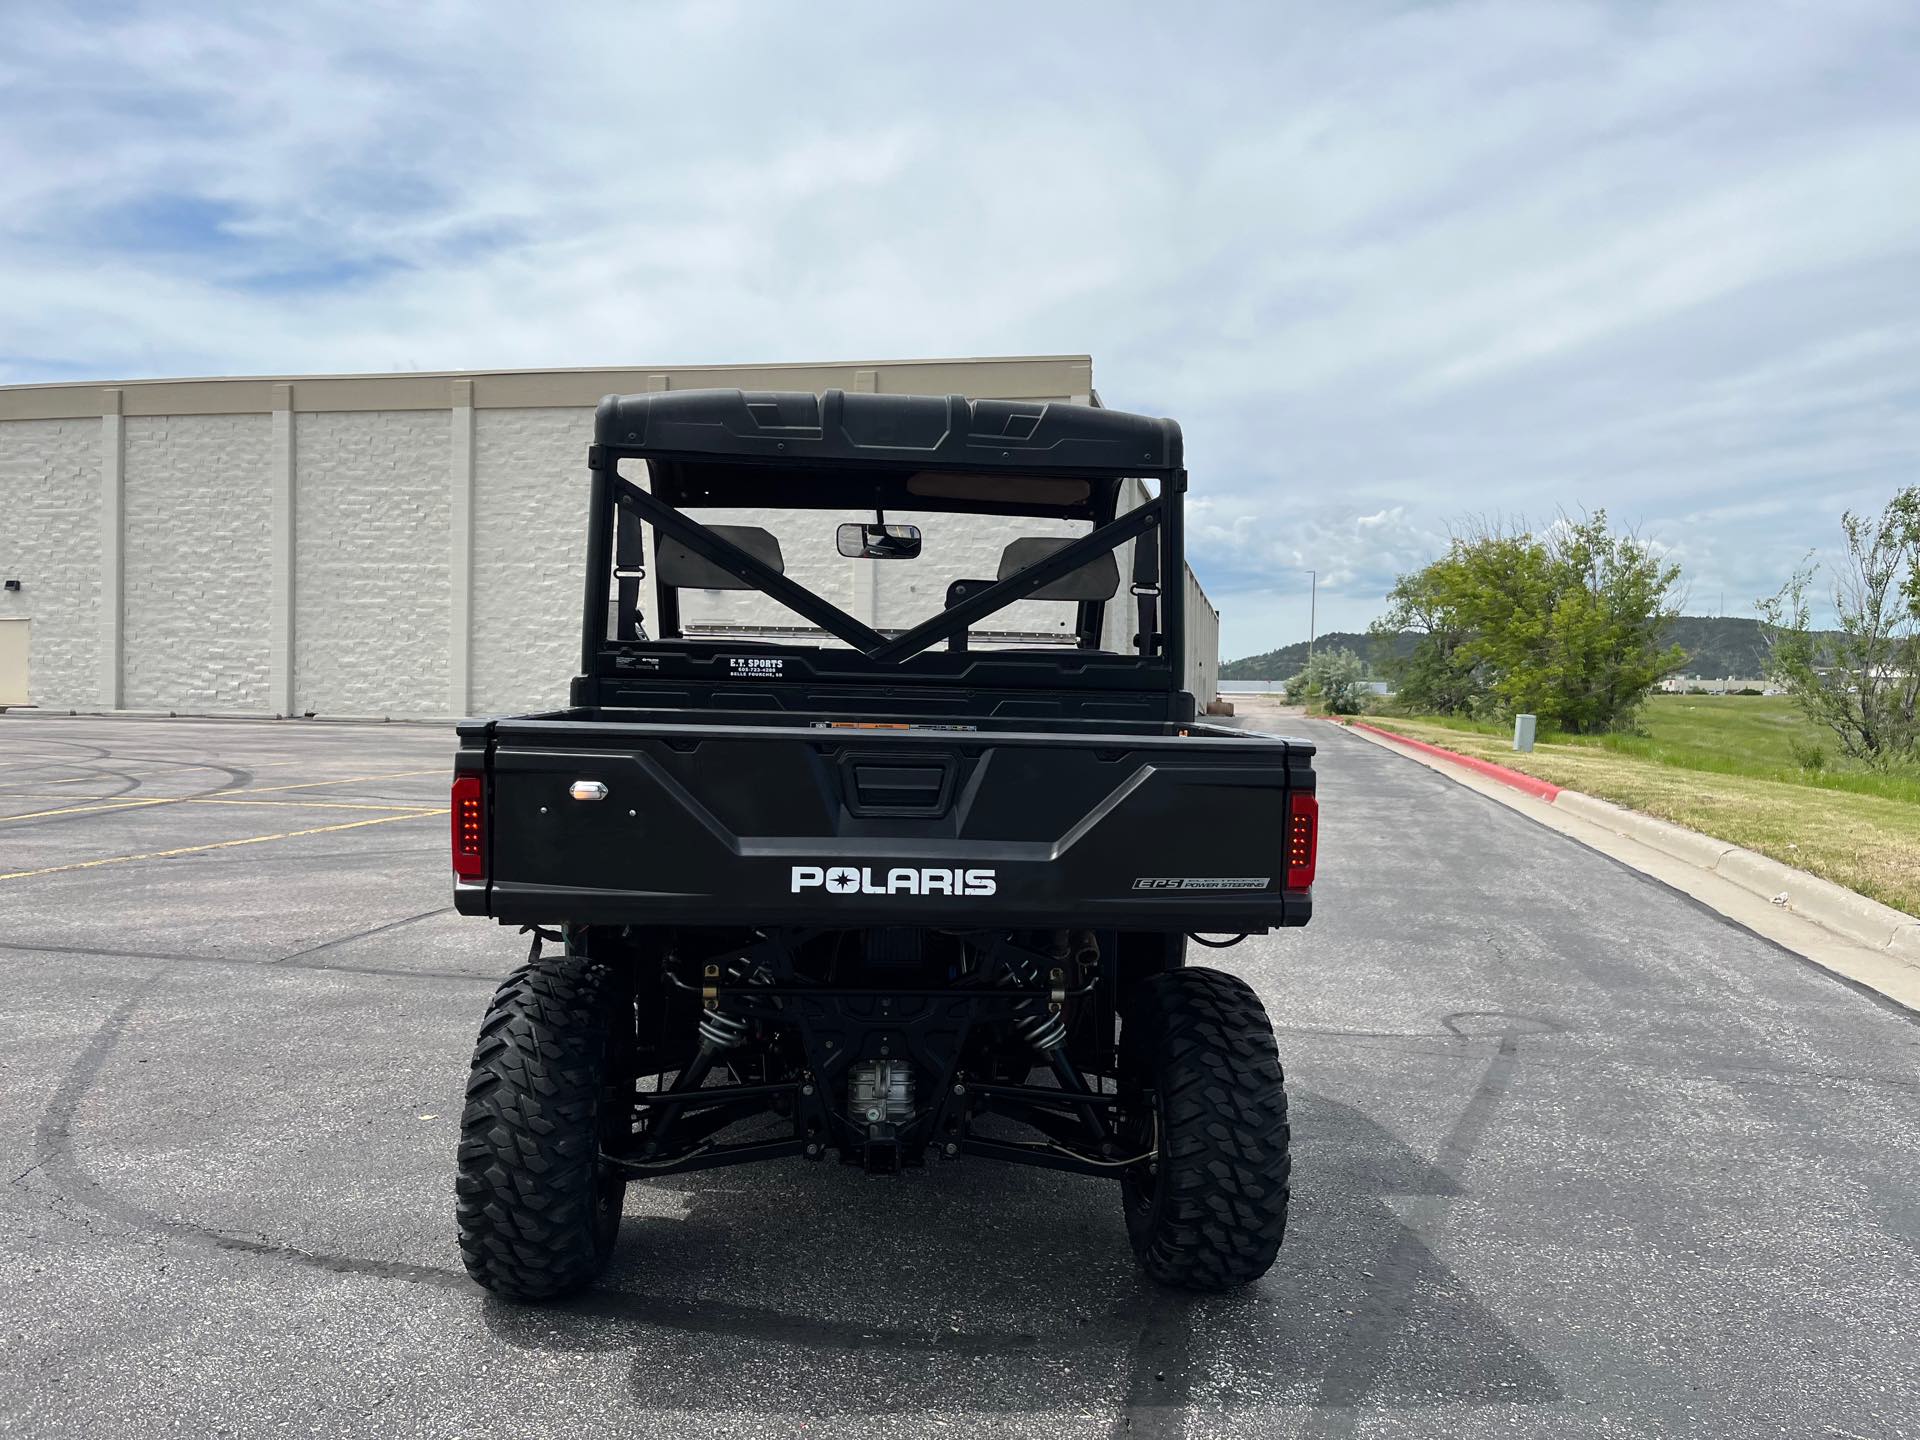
x=371, y=594
x=298, y=544
x=50, y=530
x=197, y=517
x=529, y=556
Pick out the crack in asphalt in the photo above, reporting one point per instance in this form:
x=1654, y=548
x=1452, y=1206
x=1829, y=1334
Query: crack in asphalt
x=287, y=960
x=1337, y=1403
x=262, y=966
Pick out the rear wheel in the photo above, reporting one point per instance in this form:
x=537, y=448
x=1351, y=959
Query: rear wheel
x=537, y=1209
x=1203, y=1090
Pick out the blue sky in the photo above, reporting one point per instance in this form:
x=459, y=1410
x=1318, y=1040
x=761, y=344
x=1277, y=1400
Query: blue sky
x=1390, y=265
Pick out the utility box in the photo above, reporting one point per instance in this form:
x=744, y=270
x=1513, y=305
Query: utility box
x=1523, y=726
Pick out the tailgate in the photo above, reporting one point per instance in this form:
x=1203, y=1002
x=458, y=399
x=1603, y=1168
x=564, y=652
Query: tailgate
x=747, y=825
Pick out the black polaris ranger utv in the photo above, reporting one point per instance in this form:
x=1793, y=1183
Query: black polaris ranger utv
x=877, y=895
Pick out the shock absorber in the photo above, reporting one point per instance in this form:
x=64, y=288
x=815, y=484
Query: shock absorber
x=1043, y=1023
x=721, y=1029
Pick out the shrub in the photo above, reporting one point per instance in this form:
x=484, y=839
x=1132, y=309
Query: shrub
x=1809, y=755
x=1336, y=678
x=1861, y=682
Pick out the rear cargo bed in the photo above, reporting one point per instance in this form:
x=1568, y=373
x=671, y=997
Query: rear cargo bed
x=778, y=819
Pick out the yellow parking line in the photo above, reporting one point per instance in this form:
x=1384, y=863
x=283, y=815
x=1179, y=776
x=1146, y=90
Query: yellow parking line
x=318, y=804
x=183, y=799
x=87, y=809
x=350, y=780
x=132, y=760
x=216, y=845
x=6, y=795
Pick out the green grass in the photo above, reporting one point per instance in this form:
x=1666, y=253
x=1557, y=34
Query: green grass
x=1750, y=735
x=1726, y=766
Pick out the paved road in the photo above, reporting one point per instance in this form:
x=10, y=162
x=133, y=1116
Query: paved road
x=1575, y=1157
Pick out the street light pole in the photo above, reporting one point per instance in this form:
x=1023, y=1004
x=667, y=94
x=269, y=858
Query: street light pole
x=1313, y=605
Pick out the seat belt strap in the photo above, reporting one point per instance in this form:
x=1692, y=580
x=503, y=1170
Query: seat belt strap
x=1146, y=592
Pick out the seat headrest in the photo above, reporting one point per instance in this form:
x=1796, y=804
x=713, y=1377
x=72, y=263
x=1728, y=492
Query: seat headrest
x=1098, y=579
x=680, y=567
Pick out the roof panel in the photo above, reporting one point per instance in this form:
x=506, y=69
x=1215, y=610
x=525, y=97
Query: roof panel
x=916, y=431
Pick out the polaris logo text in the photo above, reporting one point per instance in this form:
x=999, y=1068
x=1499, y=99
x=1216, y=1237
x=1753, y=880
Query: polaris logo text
x=847, y=880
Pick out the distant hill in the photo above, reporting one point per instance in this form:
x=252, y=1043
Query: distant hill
x=1718, y=648
x=1289, y=660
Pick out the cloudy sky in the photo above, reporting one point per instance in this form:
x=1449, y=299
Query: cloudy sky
x=1389, y=264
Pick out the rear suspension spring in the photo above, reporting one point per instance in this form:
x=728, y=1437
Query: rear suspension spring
x=1042, y=1024
x=721, y=1029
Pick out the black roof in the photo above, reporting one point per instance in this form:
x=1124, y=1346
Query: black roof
x=913, y=431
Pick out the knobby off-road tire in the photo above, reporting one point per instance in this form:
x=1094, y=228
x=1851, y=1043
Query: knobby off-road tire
x=537, y=1210
x=1197, y=1051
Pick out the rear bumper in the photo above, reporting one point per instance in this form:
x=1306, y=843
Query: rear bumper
x=756, y=900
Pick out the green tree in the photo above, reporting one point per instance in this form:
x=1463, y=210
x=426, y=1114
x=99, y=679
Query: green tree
x=1337, y=678
x=1568, y=626
x=1438, y=674
x=1605, y=633
x=1862, y=681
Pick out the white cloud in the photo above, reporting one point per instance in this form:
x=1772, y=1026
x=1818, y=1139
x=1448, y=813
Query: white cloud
x=1388, y=265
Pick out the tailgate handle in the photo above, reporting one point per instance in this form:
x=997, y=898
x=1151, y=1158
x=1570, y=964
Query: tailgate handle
x=919, y=786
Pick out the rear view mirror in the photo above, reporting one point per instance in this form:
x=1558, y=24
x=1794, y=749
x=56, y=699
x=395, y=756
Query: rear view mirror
x=879, y=542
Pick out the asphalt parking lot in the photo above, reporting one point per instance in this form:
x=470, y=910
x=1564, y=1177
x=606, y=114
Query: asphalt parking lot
x=1574, y=1155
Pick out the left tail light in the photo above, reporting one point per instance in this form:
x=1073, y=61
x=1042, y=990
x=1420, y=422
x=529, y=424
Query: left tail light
x=469, y=827
x=1303, y=838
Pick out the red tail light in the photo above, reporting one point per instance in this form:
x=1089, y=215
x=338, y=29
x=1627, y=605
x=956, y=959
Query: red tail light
x=1303, y=838
x=469, y=827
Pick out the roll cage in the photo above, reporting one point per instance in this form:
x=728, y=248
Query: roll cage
x=838, y=451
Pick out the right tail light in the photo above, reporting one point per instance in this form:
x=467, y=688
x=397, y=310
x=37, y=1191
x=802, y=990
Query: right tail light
x=1303, y=838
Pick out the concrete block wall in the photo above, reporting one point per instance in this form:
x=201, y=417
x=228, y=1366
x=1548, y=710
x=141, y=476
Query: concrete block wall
x=402, y=545
x=50, y=527
x=371, y=601
x=529, y=555
x=197, y=520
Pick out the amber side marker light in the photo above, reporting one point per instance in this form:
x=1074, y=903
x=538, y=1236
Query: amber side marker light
x=1303, y=838
x=469, y=827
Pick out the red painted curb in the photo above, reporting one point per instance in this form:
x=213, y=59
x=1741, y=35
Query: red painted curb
x=1528, y=783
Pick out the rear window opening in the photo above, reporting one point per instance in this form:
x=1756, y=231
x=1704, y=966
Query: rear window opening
x=1088, y=610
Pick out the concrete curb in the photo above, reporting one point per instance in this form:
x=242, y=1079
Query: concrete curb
x=1833, y=907
x=1519, y=780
